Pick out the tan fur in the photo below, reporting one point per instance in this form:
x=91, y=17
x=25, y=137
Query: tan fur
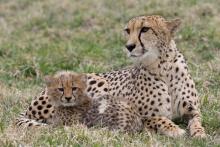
x=159, y=34
x=104, y=111
x=152, y=86
x=70, y=111
x=72, y=84
x=155, y=49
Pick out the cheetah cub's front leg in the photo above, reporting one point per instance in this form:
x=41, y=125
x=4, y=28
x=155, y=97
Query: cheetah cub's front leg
x=163, y=126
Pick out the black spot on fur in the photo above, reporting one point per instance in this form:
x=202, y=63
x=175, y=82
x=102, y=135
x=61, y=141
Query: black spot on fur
x=156, y=110
x=41, y=117
x=30, y=108
x=140, y=109
x=100, y=84
x=152, y=102
x=177, y=69
x=92, y=82
x=190, y=108
x=39, y=107
x=184, y=104
x=33, y=112
x=49, y=106
x=30, y=124
x=89, y=89
x=45, y=111
x=182, y=74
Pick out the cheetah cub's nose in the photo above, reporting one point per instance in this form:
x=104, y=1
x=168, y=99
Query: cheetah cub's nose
x=130, y=47
x=68, y=98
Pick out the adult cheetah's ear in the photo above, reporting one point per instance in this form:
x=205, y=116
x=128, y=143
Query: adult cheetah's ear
x=173, y=25
x=49, y=80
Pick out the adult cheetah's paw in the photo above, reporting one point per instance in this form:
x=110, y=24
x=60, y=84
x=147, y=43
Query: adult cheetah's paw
x=174, y=132
x=196, y=130
x=164, y=126
x=199, y=133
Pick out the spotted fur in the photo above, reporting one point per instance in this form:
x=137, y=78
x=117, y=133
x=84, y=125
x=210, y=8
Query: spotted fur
x=156, y=84
x=150, y=43
x=66, y=92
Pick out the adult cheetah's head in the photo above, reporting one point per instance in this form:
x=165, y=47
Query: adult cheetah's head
x=150, y=38
x=67, y=89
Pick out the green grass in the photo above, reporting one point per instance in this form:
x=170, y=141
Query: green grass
x=41, y=37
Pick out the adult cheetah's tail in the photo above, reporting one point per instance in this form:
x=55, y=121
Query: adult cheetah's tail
x=23, y=122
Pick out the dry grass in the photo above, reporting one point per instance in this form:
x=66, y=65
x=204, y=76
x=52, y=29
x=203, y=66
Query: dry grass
x=40, y=37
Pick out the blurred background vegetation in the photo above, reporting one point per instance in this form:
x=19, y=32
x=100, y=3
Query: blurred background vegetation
x=40, y=37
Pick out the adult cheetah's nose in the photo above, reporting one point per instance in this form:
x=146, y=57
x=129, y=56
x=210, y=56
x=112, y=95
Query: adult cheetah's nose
x=68, y=98
x=130, y=47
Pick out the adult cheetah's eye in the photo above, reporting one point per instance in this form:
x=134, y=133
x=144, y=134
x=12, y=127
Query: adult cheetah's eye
x=144, y=29
x=74, y=88
x=61, y=89
x=127, y=31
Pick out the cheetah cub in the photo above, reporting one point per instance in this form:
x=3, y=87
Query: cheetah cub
x=67, y=92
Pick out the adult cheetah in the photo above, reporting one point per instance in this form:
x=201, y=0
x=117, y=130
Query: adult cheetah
x=150, y=44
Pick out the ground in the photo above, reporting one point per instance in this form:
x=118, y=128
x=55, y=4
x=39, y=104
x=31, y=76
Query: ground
x=40, y=37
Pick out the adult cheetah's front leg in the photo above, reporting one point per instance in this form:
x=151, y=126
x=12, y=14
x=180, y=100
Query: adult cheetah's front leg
x=185, y=100
x=164, y=126
x=195, y=127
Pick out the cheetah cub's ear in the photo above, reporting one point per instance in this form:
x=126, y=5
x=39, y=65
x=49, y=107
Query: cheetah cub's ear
x=173, y=25
x=83, y=77
x=79, y=80
x=49, y=80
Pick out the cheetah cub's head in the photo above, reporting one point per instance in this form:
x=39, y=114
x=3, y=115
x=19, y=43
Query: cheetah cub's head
x=149, y=38
x=67, y=89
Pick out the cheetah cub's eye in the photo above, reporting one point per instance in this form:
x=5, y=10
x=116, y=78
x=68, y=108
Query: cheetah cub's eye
x=127, y=31
x=61, y=89
x=144, y=29
x=74, y=88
